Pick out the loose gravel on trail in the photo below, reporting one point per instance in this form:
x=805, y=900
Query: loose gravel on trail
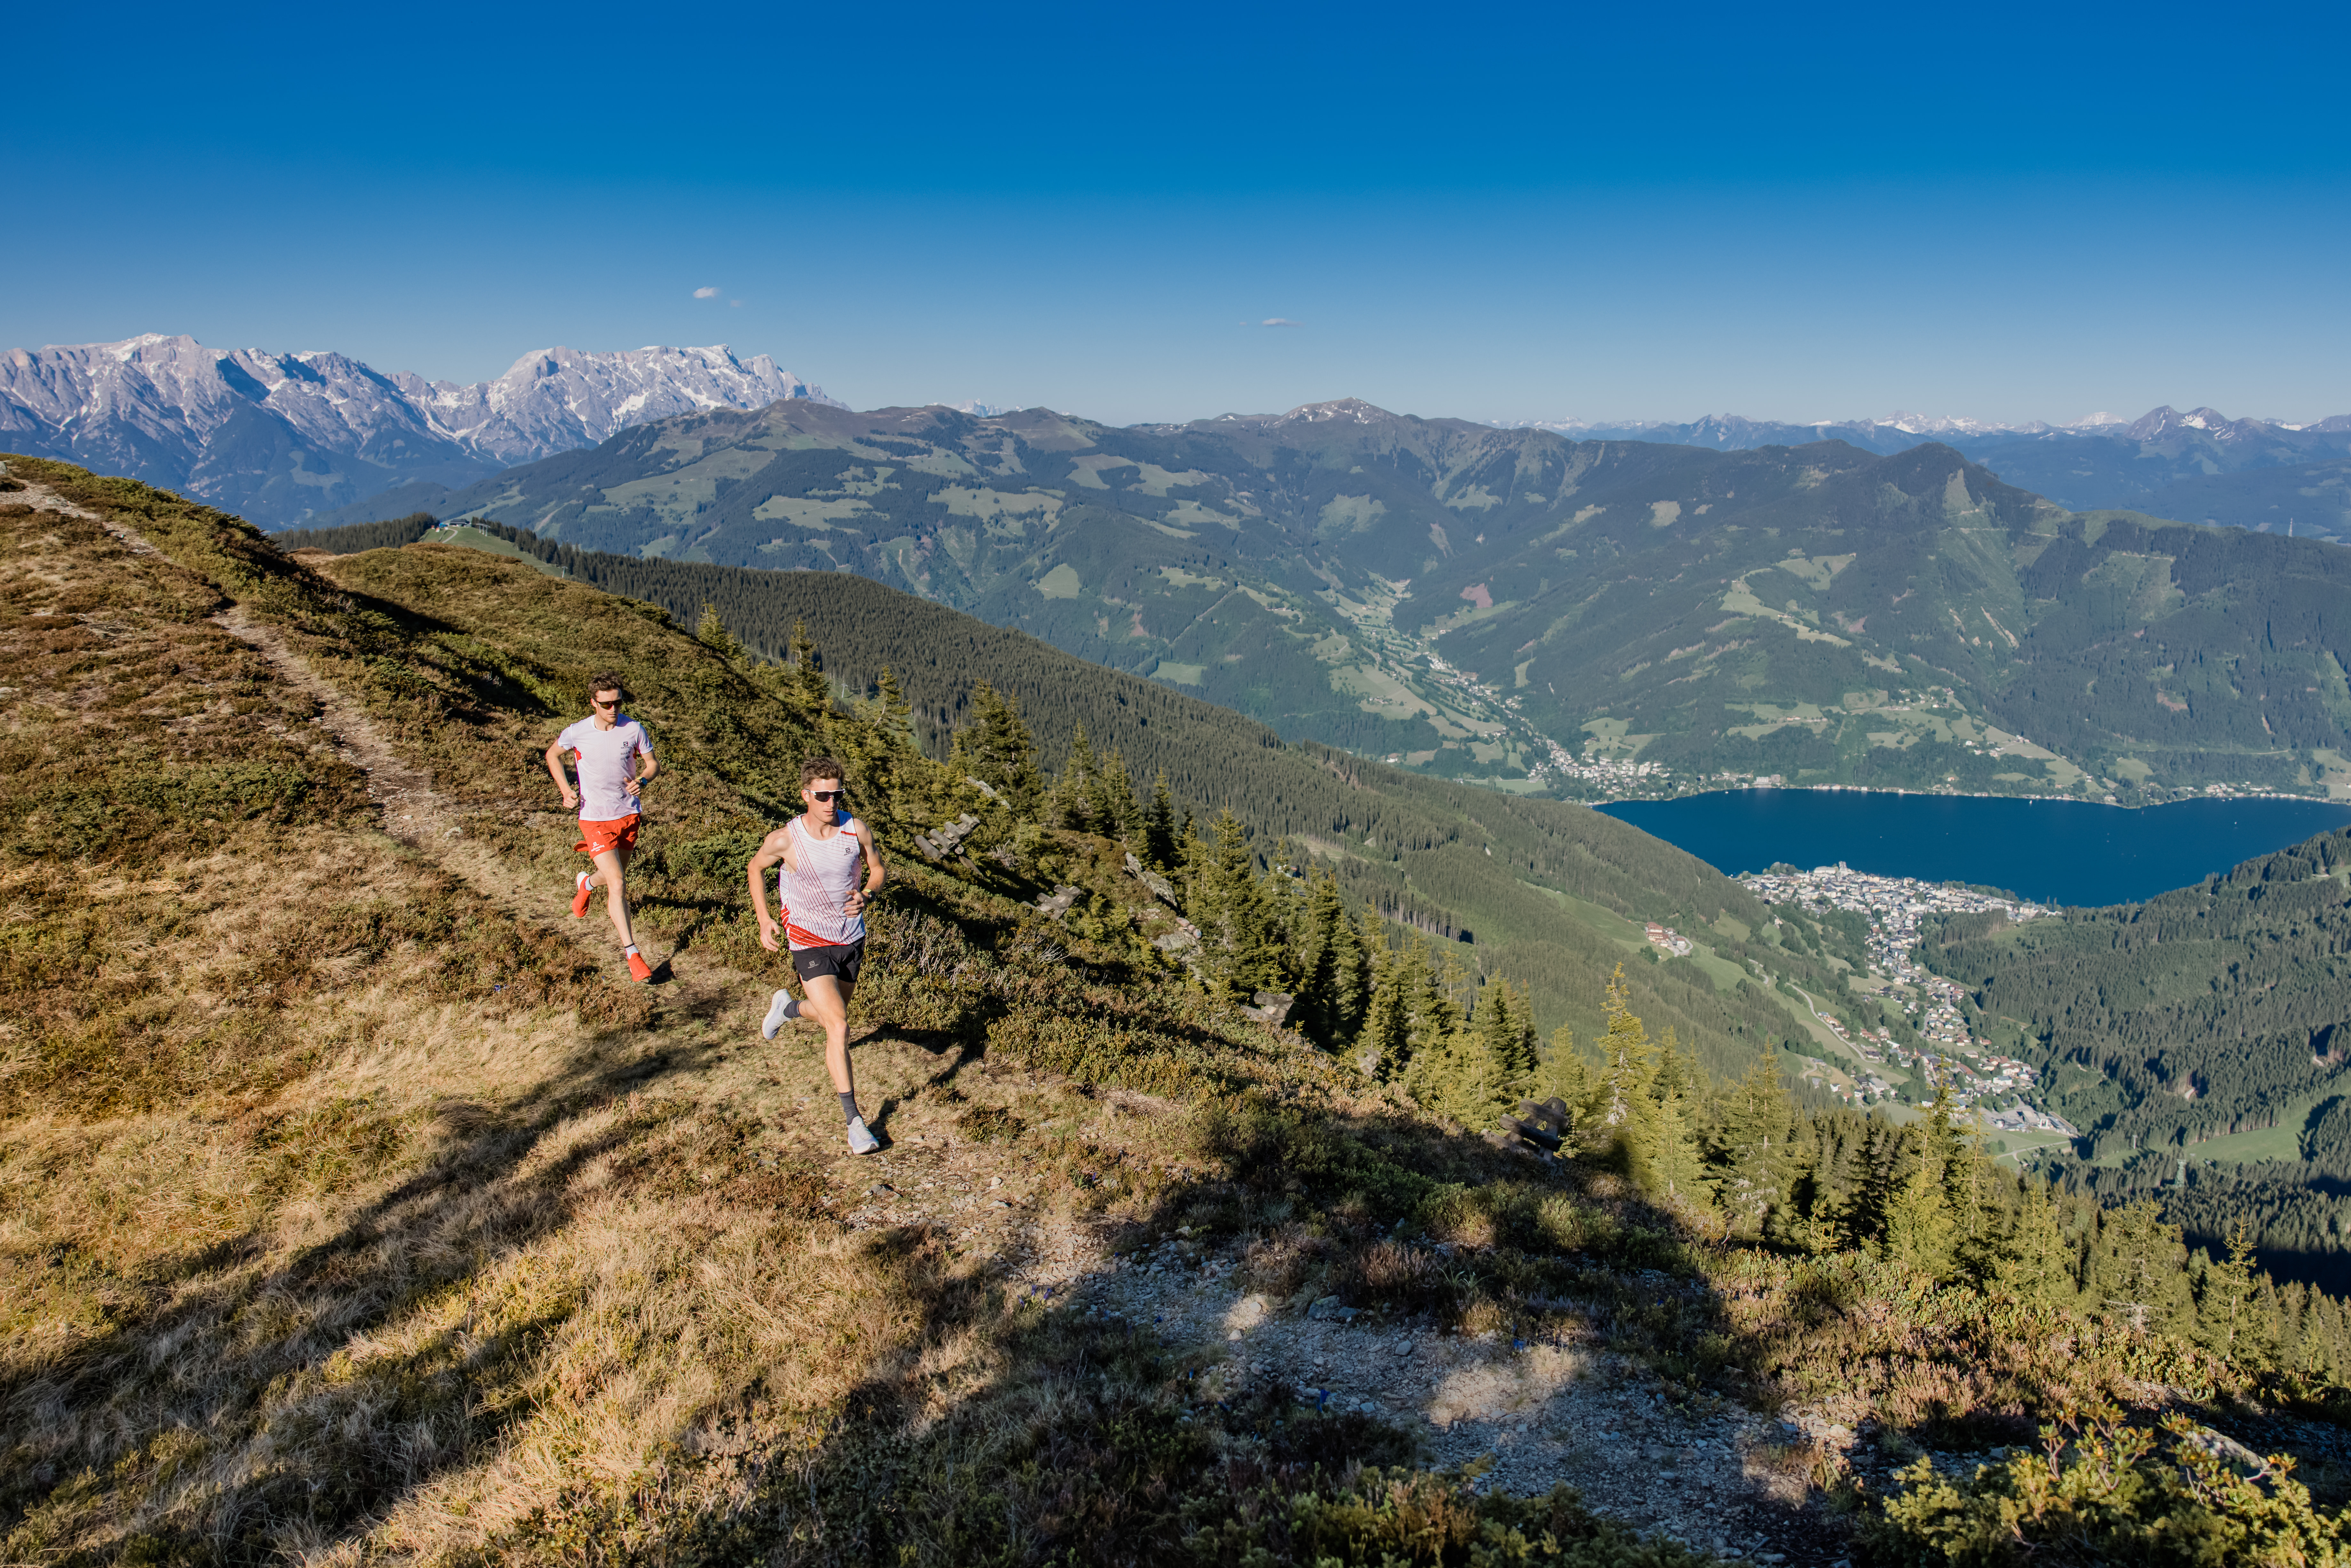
x=1713, y=1476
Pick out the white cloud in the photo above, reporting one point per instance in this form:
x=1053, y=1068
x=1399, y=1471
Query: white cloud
x=710, y=293
x=1279, y=321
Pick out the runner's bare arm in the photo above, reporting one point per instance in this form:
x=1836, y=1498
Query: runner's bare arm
x=775, y=849
x=562, y=779
x=876, y=873
x=647, y=765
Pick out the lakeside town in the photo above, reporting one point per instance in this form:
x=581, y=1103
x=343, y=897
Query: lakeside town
x=1999, y=1090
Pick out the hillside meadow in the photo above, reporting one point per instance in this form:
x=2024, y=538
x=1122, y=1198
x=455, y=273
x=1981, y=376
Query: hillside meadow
x=356, y=1208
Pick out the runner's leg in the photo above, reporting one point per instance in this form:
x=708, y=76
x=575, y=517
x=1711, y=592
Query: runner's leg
x=828, y=1003
x=612, y=874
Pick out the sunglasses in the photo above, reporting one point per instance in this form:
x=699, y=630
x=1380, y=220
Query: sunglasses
x=828, y=796
x=595, y=704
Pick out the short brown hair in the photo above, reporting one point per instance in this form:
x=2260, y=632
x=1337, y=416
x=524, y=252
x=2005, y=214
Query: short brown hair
x=816, y=767
x=605, y=683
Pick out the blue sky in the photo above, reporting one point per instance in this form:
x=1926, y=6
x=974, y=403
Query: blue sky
x=1513, y=211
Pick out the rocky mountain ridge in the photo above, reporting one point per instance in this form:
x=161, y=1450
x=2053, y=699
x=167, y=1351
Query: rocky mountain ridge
x=2099, y=461
x=282, y=437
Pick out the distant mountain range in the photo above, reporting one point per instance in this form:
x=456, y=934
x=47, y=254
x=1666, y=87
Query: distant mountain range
x=2172, y=464
x=1536, y=612
x=279, y=438
x=321, y=439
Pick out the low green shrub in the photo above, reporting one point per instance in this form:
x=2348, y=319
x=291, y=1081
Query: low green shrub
x=2101, y=1491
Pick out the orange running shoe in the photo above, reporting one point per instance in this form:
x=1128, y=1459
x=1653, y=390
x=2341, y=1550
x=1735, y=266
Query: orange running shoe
x=580, y=899
x=639, y=968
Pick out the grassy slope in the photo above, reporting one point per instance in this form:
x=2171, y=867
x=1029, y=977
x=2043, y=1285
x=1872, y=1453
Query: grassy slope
x=354, y=1209
x=1443, y=854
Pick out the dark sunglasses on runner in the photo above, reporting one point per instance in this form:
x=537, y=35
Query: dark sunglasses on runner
x=597, y=703
x=828, y=796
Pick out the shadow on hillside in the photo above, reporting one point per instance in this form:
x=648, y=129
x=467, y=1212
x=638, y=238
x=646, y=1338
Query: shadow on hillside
x=339, y=1381
x=373, y=1421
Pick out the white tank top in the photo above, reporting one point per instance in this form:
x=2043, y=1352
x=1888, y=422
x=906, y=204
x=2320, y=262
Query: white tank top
x=816, y=896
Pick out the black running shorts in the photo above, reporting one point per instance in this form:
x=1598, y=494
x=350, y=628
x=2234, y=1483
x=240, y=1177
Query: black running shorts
x=840, y=963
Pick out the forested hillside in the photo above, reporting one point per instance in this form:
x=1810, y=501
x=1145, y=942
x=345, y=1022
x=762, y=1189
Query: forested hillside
x=358, y=1208
x=1819, y=612
x=1531, y=890
x=2201, y=1041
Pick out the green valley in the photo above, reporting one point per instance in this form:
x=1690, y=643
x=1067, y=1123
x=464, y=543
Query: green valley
x=1537, y=614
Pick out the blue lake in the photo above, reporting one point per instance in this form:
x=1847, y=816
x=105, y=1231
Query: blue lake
x=2057, y=852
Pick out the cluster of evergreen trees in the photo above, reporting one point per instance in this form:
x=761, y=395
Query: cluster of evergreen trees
x=2204, y=1011
x=1450, y=860
x=1462, y=1043
x=353, y=538
x=1742, y=1156
x=2209, y=1011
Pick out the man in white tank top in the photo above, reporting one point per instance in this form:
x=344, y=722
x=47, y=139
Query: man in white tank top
x=826, y=871
x=615, y=760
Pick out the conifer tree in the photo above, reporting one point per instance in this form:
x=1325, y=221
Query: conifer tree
x=892, y=711
x=807, y=690
x=2229, y=1315
x=1069, y=802
x=1116, y=812
x=1190, y=853
x=1504, y=1057
x=1453, y=1077
x=1240, y=952
x=1675, y=1077
x=1676, y=1171
x=1332, y=982
x=995, y=748
x=712, y=634
x=1748, y=1147
x=890, y=775
x=1385, y=1044
x=1160, y=840
x=2038, y=1261
x=1432, y=1010
x=1625, y=1115
x=1563, y=1074
x=1918, y=1224
x=2135, y=1273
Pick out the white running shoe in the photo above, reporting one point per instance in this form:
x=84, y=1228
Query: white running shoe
x=861, y=1141
x=777, y=1011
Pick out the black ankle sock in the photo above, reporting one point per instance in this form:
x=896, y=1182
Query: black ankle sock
x=848, y=1107
x=792, y=1009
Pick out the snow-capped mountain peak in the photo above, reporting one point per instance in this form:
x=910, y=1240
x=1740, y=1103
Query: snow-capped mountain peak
x=278, y=436
x=555, y=400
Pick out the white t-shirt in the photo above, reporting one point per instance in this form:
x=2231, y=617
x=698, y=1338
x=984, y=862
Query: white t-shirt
x=606, y=761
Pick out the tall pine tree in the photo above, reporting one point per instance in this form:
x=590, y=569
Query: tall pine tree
x=995, y=748
x=1333, y=977
x=1748, y=1147
x=1242, y=954
x=1383, y=1045
x=1161, y=847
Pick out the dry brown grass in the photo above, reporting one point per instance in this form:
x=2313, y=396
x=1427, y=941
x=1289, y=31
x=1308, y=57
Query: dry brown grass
x=349, y=1209
x=348, y=1212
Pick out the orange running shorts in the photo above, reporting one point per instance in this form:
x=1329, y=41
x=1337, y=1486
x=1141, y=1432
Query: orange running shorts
x=619, y=833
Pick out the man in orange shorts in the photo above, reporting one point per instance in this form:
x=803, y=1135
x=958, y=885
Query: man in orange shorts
x=614, y=757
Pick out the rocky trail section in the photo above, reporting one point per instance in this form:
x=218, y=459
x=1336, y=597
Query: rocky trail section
x=1709, y=1475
